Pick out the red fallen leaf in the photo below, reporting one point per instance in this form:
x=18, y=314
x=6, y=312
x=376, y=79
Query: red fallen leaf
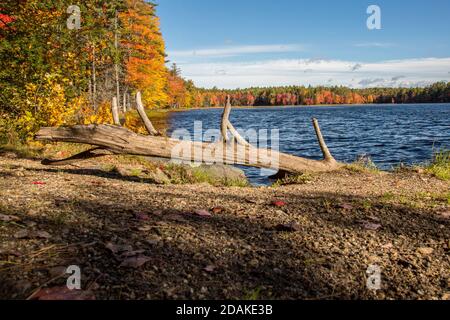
x=62, y=293
x=38, y=183
x=217, y=210
x=278, y=203
x=142, y=217
x=135, y=262
x=202, y=213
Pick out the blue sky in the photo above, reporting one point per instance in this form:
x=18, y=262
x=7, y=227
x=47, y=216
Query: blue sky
x=242, y=43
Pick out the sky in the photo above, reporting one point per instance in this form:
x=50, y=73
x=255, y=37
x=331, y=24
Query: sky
x=250, y=43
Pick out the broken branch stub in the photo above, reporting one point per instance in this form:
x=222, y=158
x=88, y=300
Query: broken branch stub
x=141, y=110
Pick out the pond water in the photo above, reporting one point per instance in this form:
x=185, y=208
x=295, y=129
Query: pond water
x=389, y=134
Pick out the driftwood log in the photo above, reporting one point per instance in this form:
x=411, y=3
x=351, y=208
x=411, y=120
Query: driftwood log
x=109, y=139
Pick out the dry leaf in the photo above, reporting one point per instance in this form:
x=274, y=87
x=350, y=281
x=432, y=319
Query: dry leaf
x=278, y=203
x=7, y=218
x=210, y=268
x=371, y=226
x=135, y=262
x=202, y=213
x=118, y=248
x=142, y=217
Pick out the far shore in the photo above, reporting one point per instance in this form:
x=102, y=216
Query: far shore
x=294, y=106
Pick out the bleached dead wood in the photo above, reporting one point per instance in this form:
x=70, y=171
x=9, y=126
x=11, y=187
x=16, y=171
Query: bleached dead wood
x=118, y=140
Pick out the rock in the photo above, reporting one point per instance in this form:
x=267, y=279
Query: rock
x=446, y=296
x=159, y=177
x=288, y=227
x=425, y=251
x=226, y=175
x=254, y=263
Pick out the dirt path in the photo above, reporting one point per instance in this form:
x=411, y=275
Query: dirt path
x=135, y=240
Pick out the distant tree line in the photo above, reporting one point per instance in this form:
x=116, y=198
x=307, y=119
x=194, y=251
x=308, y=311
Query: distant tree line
x=301, y=95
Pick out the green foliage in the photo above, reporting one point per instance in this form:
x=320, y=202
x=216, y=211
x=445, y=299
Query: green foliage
x=440, y=166
x=293, y=179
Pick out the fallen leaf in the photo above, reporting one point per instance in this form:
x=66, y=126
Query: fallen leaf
x=38, y=183
x=202, y=213
x=217, y=210
x=446, y=214
x=62, y=293
x=128, y=254
x=142, y=217
x=57, y=271
x=41, y=235
x=346, y=206
x=135, y=262
x=387, y=246
x=278, y=203
x=7, y=218
x=22, y=234
x=371, y=226
x=145, y=228
x=118, y=248
x=210, y=268
x=425, y=251
x=289, y=227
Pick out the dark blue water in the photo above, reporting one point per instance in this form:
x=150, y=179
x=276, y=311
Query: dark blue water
x=389, y=134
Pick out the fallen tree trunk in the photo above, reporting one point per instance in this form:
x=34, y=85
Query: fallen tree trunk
x=123, y=141
x=117, y=140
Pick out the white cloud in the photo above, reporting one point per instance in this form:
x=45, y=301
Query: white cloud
x=317, y=72
x=374, y=45
x=236, y=51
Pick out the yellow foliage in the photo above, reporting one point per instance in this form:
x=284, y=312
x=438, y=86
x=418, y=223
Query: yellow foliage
x=102, y=116
x=45, y=105
x=134, y=123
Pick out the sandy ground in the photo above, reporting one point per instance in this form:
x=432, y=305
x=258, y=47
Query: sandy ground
x=134, y=240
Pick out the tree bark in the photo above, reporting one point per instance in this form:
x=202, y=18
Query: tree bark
x=115, y=111
x=116, y=63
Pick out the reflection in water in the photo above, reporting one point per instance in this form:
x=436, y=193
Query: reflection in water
x=389, y=134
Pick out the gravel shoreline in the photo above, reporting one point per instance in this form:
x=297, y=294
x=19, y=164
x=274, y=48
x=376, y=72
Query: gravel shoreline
x=135, y=240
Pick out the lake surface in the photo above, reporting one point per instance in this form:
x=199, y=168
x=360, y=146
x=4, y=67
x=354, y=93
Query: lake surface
x=389, y=134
